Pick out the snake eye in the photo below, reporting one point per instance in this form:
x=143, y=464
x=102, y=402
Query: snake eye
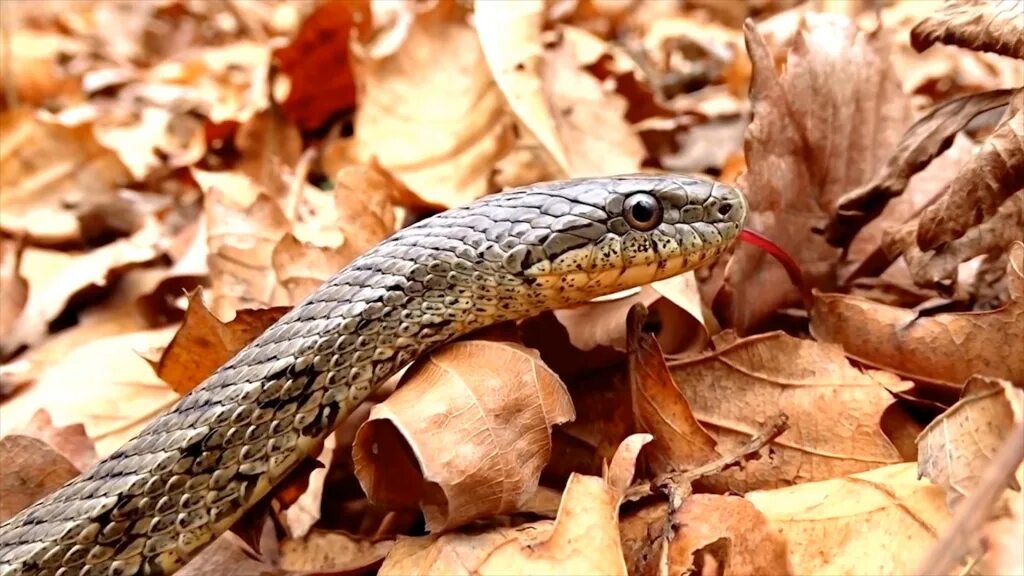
x=642, y=212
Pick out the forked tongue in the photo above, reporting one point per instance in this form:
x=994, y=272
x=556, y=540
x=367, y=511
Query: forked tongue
x=782, y=257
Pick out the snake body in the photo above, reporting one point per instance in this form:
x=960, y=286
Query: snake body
x=191, y=473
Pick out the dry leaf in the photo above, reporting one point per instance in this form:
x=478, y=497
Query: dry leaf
x=956, y=447
x=13, y=286
x=439, y=132
x=1001, y=538
x=475, y=418
x=877, y=522
x=48, y=172
x=32, y=470
x=993, y=26
x=580, y=125
x=818, y=131
x=680, y=443
x=923, y=142
x=204, y=342
x=317, y=63
x=69, y=441
x=835, y=410
x=994, y=174
x=327, y=553
x=56, y=278
x=753, y=546
x=947, y=348
x=114, y=393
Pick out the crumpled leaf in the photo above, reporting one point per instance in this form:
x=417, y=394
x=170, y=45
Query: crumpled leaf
x=994, y=174
x=326, y=552
x=32, y=470
x=475, y=418
x=947, y=348
x=680, y=443
x=751, y=545
x=115, y=391
x=317, y=63
x=923, y=142
x=956, y=447
x=882, y=521
x=989, y=25
x=579, y=125
x=810, y=142
x=583, y=539
x=56, y=278
x=49, y=172
x=69, y=441
x=438, y=132
x=835, y=410
x=13, y=286
x=204, y=342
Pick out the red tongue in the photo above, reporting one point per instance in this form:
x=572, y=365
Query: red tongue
x=783, y=257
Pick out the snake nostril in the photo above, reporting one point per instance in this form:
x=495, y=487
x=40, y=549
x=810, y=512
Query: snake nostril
x=724, y=209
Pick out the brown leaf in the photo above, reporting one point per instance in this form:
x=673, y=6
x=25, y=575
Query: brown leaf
x=438, y=132
x=204, y=342
x=69, y=441
x=923, y=142
x=835, y=410
x=56, y=278
x=947, y=348
x=621, y=469
x=32, y=470
x=578, y=124
x=317, y=63
x=365, y=198
x=680, y=443
x=328, y=553
x=957, y=447
x=883, y=521
x=48, y=173
x=104, y=384
x=13, y=286
x=992, y=26
x=818, y=131
x=754, y=546
x=994, y=174
x=495, y=401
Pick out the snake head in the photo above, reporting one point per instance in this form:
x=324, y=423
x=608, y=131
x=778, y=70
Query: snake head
x=597, y=236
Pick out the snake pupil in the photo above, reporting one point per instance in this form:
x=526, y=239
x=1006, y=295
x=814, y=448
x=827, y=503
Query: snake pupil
x=643, y=212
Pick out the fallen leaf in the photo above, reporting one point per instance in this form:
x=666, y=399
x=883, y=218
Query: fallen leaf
x=203, y=342
x=1001, y=538
x=680, y=443
x=466, y=437
x=923, y=142
x=439, y=133
x=753, y=546
x=114, y=393
x=32, y=470
x=956, y=447
x=581, y=126
x=56, y=278
x=69, y=441
x=811, y=140
x=835, y=410
x=13, y=286
x=947, y=348
x=326, y=552
x=50, y=171
x=994, y=174
x=32, y=65
x=317, y=64
x=878, y=522
x=993, y=26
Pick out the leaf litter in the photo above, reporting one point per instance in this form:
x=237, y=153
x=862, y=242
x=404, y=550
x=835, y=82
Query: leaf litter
x=167, y=196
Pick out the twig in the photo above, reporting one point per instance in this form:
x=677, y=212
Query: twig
x=976, y=509
x=775, y=427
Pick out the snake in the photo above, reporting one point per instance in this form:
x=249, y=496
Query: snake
x=157, y=501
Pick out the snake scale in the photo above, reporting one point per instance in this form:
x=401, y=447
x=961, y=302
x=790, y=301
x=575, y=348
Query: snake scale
x=158, y=500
